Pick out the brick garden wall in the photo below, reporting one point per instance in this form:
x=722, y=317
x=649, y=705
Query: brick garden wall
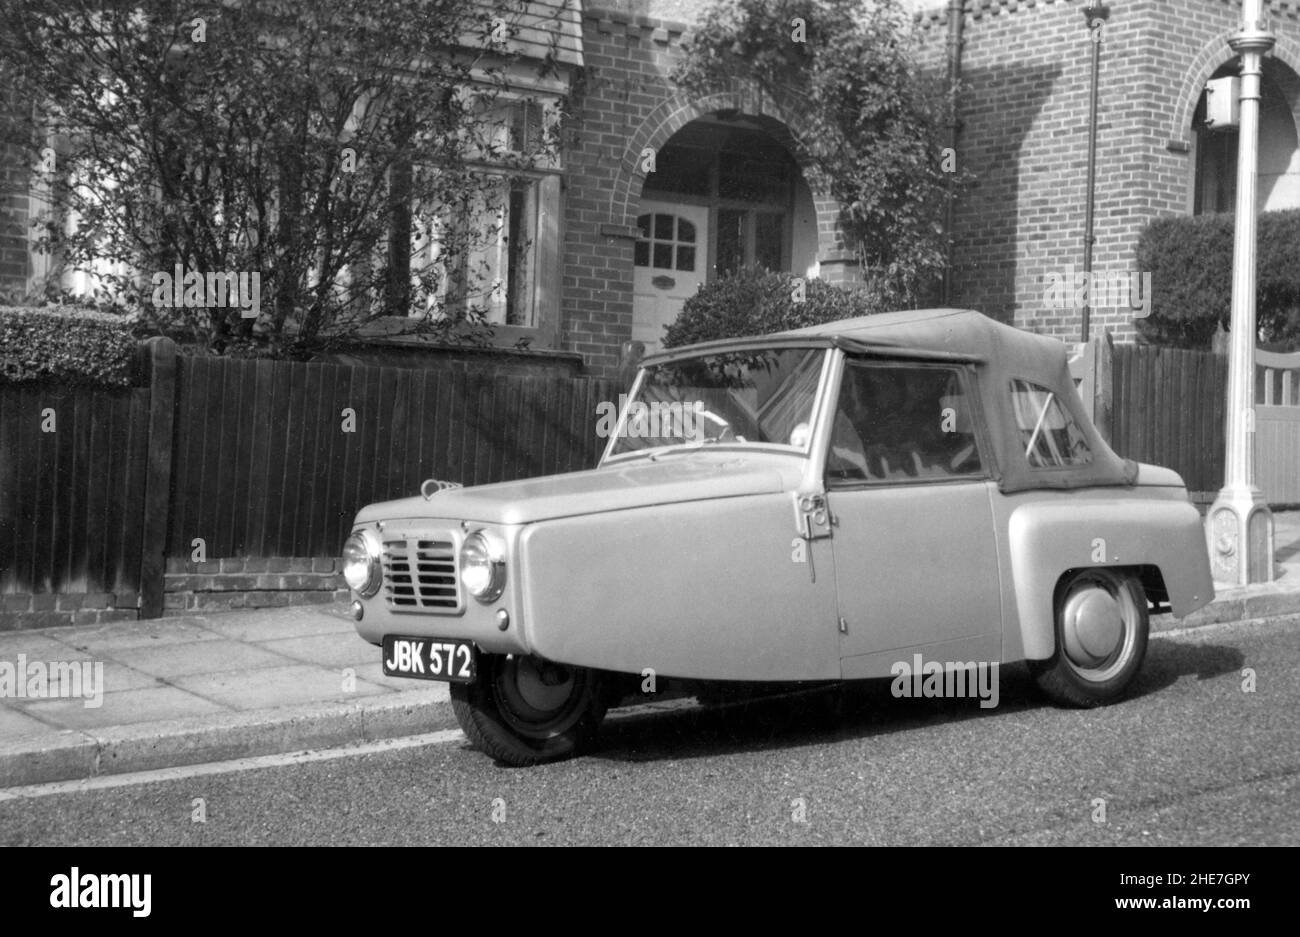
x=24, y=610
x=253, y=582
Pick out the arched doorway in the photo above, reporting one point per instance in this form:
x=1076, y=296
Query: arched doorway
x=1278, y=178
x=725, y=195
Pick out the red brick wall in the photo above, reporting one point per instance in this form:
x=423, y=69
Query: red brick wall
x=1026, y=68
x=252, y=582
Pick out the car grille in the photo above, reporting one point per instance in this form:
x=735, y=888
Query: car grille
x=420, y=575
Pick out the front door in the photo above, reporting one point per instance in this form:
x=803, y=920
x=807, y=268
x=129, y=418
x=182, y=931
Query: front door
x=671, y=254
x=916, y=564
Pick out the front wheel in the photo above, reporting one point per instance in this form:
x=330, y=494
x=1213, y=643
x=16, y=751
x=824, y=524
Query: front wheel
x=525, y=711
x=1101, y=638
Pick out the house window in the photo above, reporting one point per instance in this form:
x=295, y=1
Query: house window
x=483, y=258
x=487, y=254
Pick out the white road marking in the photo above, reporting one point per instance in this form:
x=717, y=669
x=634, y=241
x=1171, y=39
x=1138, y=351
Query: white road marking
x=132, y=779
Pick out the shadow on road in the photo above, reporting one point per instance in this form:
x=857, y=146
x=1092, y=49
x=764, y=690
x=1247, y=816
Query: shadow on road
x=862, y=710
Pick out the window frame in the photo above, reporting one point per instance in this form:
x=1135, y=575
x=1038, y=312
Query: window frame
x=969, y=392
x=545, y=238
x=1065, y=411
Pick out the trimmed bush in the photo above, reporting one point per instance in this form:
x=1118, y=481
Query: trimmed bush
x=1190, y=261
x=66, y=345
x=759, y=302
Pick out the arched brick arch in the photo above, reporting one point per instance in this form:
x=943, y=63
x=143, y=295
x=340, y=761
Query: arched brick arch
x=678, y=110
x=1213, y=54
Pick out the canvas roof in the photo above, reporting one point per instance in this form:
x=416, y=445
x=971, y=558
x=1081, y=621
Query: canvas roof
x=998, y=353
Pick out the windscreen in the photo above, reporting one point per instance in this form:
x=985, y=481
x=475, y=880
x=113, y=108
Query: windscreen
x=761, y=397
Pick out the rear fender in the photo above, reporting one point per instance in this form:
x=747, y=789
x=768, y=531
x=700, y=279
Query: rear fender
x=1047, y=540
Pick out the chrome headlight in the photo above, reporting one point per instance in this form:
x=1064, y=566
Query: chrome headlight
x=361, y=567
x=483, y=567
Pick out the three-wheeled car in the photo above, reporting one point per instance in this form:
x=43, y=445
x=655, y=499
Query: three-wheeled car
x=813, y=506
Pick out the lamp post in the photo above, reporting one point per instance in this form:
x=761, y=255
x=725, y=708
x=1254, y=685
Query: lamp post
x=1239, y=528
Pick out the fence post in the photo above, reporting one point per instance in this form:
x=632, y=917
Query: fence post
x=159, y=359
x=1104, y=387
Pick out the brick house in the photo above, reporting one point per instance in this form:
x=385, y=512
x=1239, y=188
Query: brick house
x=617, y=247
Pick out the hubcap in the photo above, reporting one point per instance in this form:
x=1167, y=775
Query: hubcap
x=542, y=687
x=538, y=699
x=1098, y=629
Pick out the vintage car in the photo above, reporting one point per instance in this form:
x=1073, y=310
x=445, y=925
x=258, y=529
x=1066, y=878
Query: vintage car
x=812, y=506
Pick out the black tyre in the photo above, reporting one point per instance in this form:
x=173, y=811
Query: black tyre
x=525, y=711
x=1101, y=638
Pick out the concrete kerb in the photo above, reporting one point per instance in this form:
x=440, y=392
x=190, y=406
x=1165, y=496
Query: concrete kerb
x=74, y=755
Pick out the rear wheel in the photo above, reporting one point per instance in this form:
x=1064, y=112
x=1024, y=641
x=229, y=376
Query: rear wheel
x=1101, y=638
x=525, y=711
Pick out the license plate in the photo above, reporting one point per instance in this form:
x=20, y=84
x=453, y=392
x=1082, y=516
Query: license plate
x=430, y=659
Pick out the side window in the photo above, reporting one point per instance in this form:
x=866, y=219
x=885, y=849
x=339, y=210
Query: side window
x=1047, y=430
x=901, y=423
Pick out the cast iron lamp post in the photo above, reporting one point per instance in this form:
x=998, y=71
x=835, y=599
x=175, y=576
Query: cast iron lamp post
x=1239, y=528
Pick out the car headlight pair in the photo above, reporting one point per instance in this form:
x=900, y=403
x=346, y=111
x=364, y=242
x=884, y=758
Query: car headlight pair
x=482, y=565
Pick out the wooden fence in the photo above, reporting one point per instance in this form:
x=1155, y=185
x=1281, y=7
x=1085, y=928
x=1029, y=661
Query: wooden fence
x=253, y=458
x=72, y=485
x=1167, y=406
x=275, y=458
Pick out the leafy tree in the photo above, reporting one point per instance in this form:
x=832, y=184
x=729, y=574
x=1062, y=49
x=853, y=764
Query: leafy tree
x=321, y=144
x=872, y=121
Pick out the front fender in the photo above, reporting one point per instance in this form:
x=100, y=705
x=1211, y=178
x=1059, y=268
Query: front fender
x=1046, y=540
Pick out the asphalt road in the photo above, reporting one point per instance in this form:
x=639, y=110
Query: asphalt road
x=1191, y=758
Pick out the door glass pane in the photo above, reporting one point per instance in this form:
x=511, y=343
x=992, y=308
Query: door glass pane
x=768, y=228
x=901, y=422
x=731, y=240
x=663, y=227
x=664, y=256
x=685, y=258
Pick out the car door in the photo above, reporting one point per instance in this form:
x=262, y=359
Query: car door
x=913, y=540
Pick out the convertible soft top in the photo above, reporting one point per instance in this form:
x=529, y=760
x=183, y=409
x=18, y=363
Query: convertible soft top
x=999, y=353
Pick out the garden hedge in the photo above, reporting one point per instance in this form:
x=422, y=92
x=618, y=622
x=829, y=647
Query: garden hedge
x=66, y=345
x=759, y=302
x=1190, y=262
